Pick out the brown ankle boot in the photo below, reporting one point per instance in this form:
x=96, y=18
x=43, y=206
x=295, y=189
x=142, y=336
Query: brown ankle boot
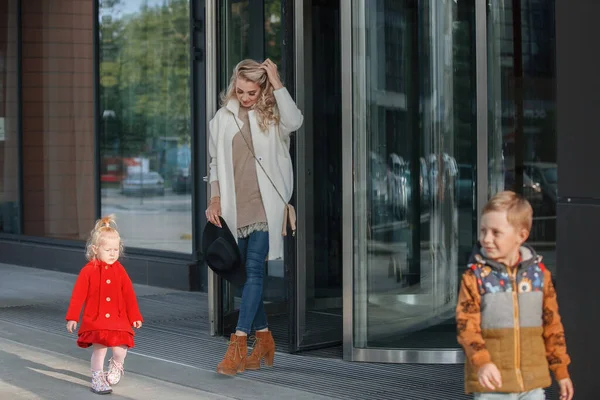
x=264, y=348
x=235, y=358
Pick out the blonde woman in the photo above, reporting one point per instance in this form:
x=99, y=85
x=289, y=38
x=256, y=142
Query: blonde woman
x=250, y=172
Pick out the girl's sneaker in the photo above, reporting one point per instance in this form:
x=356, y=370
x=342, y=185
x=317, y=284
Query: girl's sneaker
x=115, y=372
x=99, y=384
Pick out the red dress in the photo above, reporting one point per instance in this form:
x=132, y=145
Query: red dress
x=110, y=308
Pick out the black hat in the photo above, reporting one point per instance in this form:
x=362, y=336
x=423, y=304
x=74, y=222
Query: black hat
x=222, y=253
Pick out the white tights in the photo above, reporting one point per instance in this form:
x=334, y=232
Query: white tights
x=118, y=354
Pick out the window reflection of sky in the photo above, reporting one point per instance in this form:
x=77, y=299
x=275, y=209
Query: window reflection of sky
x=129, y=7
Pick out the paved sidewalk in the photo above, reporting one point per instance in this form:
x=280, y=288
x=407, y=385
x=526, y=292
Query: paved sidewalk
x=30, y=373
x=175, y=357
x=40, y=360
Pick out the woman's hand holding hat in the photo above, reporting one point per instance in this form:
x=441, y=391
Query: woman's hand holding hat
x=213, y=212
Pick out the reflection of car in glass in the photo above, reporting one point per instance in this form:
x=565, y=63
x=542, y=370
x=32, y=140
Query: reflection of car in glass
x=378, y=188
x=182, y=182
x=545, y=175
x=143, y=183
x=424, y=182
x=398, y=183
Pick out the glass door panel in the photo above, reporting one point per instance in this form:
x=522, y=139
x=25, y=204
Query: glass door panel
x=414, y=158
x=319, y=176
x=522, y=100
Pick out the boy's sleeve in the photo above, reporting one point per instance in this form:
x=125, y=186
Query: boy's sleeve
x=554, y=333
x=468, y=321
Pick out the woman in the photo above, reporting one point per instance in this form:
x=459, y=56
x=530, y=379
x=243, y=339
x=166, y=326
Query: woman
x=250, y=177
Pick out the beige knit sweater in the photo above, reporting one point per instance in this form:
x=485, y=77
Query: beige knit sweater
x=250, y=209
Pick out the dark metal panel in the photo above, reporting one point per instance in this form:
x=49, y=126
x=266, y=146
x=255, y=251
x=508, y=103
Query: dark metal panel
x=578, y=99
x=35, y=255
x=165, y=272
x=198, y=270
x=577, y=288
x=288, y=71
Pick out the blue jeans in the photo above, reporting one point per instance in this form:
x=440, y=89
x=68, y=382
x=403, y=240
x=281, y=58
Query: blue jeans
x=254, y=250
x=536, y=394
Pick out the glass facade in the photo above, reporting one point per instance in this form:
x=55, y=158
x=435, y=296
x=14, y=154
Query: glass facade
x=145, y=133
x=415, y=154
x=100, y=121
x=9, y=118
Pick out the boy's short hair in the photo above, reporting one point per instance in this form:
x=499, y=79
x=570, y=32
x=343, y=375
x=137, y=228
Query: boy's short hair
x=518, y=210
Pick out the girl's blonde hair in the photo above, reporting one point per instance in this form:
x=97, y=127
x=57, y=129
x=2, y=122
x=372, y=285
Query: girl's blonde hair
x=104, y=228
x=266, y=106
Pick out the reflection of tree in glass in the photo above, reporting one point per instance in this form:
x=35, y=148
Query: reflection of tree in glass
x=273, y=30
x=144, y=76
x=237, y=37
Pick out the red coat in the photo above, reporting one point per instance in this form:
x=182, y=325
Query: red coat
x=109, y=298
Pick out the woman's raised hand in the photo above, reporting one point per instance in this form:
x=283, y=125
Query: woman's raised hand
x=271, y=68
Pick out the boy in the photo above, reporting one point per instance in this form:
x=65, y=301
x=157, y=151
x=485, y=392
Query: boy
x=507, y=314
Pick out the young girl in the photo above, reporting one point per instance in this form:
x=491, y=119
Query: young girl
x=111, y=307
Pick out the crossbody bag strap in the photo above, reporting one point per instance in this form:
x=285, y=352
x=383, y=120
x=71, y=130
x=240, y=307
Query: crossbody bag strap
x=289, y=214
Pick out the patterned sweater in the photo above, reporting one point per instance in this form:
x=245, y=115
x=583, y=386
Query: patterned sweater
x=510, y=317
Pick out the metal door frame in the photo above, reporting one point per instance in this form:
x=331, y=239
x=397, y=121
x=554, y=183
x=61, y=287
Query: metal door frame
x=304, y=173
x=214, y=283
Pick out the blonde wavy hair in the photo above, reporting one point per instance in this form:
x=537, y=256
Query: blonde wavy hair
x=266, y=106
x=105, y=228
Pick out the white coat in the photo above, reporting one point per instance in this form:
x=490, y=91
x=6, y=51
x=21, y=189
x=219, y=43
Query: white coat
x=272, y=148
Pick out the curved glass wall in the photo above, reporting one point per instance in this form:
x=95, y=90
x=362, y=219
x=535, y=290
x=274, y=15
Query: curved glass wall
x=414, y=159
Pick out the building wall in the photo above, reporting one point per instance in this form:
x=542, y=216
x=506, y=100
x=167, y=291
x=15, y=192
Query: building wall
x=578, y=94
